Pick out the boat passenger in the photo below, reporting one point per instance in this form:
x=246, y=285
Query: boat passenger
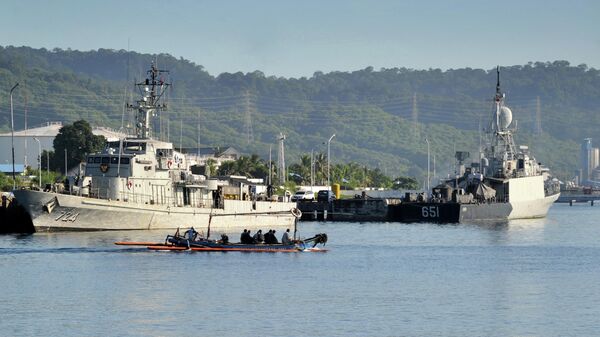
x=190, y=234
x=245, y=238
x=274, y=238
x=285, y=238
x=268, y=239
x=224, y=239
x=259, y=237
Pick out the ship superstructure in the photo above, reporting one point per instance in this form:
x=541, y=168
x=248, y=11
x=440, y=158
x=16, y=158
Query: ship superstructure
x=505, y=182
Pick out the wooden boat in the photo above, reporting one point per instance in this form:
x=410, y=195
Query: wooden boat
x=179, y=242
x=194, y=241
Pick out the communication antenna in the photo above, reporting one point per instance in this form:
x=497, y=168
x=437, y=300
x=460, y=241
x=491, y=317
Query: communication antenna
x=152, y=91
x=125, y=90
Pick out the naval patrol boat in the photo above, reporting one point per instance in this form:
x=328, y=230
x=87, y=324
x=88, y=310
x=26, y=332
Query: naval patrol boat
x=140, y=182
x=505, y=183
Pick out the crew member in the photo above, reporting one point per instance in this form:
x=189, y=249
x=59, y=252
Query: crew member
x=190, y=234
x=285, y=238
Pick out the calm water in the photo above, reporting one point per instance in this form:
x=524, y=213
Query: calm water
x=525, y=278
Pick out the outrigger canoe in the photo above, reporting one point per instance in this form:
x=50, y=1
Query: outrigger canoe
x=191, y=240
x=177, y=241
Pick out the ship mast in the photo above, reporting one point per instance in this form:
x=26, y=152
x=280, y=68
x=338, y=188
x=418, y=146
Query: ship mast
x=151, y=90
x=501, y=145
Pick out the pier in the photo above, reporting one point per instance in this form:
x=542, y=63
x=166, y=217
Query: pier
x=579, y=198
x=357, y=209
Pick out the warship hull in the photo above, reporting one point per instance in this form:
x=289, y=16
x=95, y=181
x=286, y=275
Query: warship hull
x=56, y=212
x=453, y=212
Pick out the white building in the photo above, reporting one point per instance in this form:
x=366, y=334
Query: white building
x=27, y=148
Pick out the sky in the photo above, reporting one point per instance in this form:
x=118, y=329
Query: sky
x=298, y=38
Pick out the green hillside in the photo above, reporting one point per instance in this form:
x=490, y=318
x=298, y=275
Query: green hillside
x=372, y=112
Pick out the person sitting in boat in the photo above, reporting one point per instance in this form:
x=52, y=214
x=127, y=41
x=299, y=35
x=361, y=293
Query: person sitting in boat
x=259, y=237
x=224, y=239
x=285, y=238
x=270, y=238
x=245, y=238
x=268, y=235
x=190, y=234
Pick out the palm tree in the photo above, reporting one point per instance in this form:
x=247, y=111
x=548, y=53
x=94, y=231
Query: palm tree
x=301, y=171
x=321, y=168
x=252, y=167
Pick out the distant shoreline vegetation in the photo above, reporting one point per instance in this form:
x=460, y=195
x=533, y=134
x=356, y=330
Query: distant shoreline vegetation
x=381, y=117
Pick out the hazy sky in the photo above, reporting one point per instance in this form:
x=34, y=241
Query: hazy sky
x=297, y=38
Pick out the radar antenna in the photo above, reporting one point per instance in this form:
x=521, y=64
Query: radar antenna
x=152, y=90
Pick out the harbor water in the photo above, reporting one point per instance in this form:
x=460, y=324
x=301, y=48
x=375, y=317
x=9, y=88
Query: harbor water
x=522, y=278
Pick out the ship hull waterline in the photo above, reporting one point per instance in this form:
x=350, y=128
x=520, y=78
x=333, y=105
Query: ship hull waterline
x=76, y=213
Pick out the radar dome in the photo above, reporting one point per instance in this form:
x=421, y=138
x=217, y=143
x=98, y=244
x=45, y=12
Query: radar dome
x=505, y=118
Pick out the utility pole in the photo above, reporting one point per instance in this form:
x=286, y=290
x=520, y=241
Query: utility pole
x=281, y=159
x=66, y=162
x=12, y=135
x=328, y=159
x=434, y=166
x=428, y=166
x=25, y=143
x=312, y=169
x=270, y=166
x=39, y=159
x=415, y=117
x=180, y=135
x=248, y=107
x=538, y=116
x=198, y=135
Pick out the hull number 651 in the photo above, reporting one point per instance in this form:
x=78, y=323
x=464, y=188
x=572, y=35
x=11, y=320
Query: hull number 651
x=430, y=211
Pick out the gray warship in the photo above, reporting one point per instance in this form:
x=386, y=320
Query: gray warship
x=504, y=183
x=143, y=183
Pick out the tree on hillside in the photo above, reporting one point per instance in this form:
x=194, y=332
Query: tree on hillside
x=405, y=183
x=78, y=140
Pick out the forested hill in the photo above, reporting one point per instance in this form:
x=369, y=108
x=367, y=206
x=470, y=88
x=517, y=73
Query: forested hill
x=381, y=118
